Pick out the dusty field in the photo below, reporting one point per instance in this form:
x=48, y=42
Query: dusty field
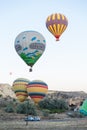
x=55, y=122
x=59, y=124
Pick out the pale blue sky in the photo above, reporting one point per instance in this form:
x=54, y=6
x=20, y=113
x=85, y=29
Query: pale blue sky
x=63, y=65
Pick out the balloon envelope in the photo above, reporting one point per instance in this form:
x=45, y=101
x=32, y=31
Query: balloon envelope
x=83, y=108
x=20, y=88
x=56, y=24
x=30, y=45
x=37, y=90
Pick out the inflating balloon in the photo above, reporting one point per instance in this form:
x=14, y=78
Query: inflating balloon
x=37, y=90
x=56, y=24
x=83, y=108
x=20, y=88
x=30, y=45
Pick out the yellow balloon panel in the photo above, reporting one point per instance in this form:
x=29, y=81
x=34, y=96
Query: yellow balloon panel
x=20, y=88
x=36, y=100
x=21, y=98
x=37, y=89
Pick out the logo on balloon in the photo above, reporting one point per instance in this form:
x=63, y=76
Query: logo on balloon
x=38, y=46
x=18, y=47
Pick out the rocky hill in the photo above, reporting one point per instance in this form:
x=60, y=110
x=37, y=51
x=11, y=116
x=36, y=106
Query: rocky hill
x=6, y=91
x=67, y=94
x=72, y=97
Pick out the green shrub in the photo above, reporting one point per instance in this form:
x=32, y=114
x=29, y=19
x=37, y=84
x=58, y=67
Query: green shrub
x=14, y=100
x=45, y=103
x=54, y=105
x=46, y=112
x=26, y=108
x=57, y=110
x=9, y=108
x=0, y=95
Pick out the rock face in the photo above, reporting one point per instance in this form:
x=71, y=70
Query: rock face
x=65, y=94
x=71, y=97
x=6, y=91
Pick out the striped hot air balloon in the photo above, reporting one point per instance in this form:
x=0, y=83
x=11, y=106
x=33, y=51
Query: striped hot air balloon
x=56, y=24
x=20, y=88
x=37, y=90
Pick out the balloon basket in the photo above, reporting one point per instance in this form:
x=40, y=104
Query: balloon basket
x=57, y=39
x=30, y=70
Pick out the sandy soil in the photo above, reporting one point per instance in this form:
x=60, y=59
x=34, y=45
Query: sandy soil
x=58, y=124
x=13, y=121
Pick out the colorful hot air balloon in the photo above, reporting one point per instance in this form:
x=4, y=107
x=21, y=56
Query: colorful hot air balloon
x=83, y=108
x=20, y=88
x=37, y=90
x=30, y=45
x=56, y=24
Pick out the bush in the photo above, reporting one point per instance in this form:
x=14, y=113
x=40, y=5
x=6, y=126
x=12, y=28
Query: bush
x=0, y=95
x=14, y=100
x=9, y=109
x=26, y=108
x=46, y=112
x=54, y=105
x=45, y=103
x=57, y=110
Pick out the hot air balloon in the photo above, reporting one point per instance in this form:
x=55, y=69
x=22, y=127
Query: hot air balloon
x=83, y=108
x=20, y=88
x=37, y=90
x=30, y=45
x=56, y=24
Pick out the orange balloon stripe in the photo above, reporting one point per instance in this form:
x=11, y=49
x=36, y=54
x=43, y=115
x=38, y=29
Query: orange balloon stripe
x=36, y=100
x=37, y=85
x=63, y=29
x=53, y=17
x=54, y=28
x=48, y=19
x=58, y=16
x=19, y=84
x=58, y=29
x=18, y=94
x=50, y=28
x=37, y=97
x=21, y=93
x=63, y=18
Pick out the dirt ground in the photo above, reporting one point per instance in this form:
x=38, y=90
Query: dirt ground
x=45, y=125
x=59, y=122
